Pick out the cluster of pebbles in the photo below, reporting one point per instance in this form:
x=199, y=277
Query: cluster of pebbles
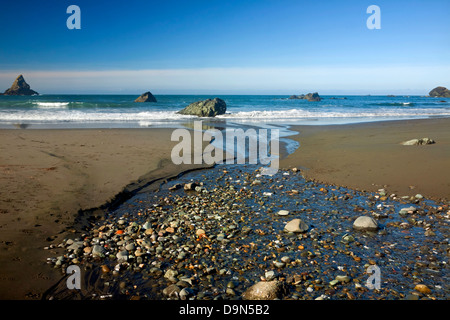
x=232, y=233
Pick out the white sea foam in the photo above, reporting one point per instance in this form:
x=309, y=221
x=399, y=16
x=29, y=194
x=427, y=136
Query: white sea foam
x=305, y=114
x=63, y=114
x=51, y=105
x=80, y=116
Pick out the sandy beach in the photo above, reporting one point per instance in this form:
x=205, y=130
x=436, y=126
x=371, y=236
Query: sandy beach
x=369, y=156
x=47, y=176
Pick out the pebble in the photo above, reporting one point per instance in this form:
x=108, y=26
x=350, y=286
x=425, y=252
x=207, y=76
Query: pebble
x=98, y=251
x=285, y=259
x=342, y=278
x=269, y=275
x=408, y=210
x=105, y=269
x=186, y=293
x=163, y=245
x=200, y=232
x=283, y=212
x=422, y=289
x=122, y=255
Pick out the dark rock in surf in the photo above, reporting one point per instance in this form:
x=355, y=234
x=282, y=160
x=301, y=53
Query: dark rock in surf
x=205, y=108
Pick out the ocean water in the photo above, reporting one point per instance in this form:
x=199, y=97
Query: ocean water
x=119, y=111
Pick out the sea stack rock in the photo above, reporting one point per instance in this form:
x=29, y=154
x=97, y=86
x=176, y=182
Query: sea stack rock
x=205, y=108
x=313, y=97
x=20, y=88
x=146, y=97
x=440, y=92
x=310, y=97
x=297, y=97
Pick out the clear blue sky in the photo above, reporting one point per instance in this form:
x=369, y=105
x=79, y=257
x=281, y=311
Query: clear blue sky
x=211, y=43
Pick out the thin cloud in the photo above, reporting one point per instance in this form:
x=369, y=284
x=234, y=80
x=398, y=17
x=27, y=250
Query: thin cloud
x=293, y=80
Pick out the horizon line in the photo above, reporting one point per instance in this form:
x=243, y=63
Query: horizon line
x=234, y=80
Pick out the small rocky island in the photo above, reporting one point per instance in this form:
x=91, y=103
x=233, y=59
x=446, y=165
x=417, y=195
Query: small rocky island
x=146, y=97
x=310, y=97
x=20, y=88
x=440, y=92
x=205, y=108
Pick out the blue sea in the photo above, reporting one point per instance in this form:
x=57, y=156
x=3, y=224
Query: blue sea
x=120, y=111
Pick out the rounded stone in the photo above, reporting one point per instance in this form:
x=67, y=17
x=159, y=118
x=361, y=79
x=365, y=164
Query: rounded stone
x=283, y=212
x=296, y=225
x=265, y=290
x=365, y=223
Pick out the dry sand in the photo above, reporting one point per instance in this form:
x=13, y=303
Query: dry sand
x=369, y=156
x=47, y=176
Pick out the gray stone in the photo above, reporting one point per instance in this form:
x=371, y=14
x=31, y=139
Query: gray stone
x=418, y=142
x=190, y=186
x=146, y=225
x=408, y=210
x=172, y=291
x=186, y=293
x=365, y=223
x=296, y=225
x=98, y=251
x=265, y=290
x=285, y=259
x=122, y=255
x=171, y=275
x=278, y=264
x=75, y=245
x=283, y=212
x=269, y=275
x=333, y=282
x=342, y=278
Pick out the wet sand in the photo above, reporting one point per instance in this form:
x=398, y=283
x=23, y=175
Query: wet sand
x=47, y=176
x=369, y=156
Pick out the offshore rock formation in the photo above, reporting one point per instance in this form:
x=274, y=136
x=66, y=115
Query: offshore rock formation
x=20, y=88
x=440, y=92
x=310, y=97
x=146, y=97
